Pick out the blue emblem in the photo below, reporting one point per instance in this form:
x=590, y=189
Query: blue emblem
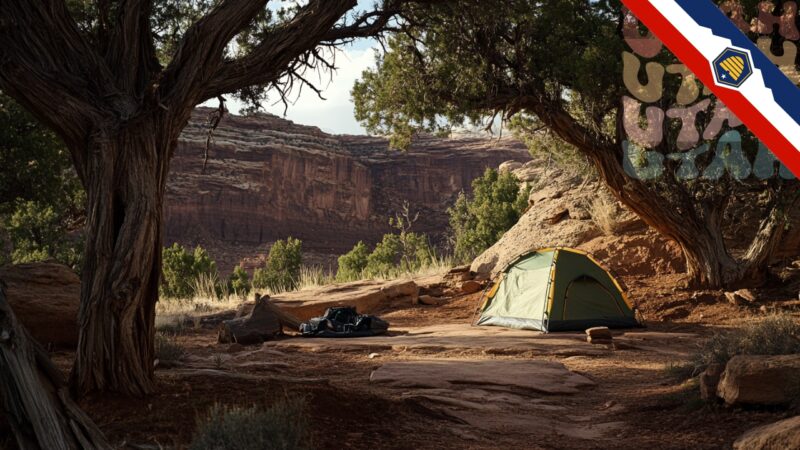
x=732, y=67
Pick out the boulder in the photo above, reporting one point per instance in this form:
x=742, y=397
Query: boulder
x=265, y=322
x=366, y=296
x=775, y=436
x=760, y=380
x=45, y=297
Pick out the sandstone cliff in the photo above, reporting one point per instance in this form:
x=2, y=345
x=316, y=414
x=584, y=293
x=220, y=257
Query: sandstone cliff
x=268, y=178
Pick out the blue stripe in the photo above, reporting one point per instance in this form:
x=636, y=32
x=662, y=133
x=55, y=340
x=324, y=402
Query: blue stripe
x=706, y=14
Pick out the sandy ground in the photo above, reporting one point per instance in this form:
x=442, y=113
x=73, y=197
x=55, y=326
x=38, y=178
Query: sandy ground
x=629, y=401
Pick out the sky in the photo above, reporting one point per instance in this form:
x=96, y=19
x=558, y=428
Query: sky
x=334, y=114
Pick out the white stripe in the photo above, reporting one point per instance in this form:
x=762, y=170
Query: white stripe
x=754, y=88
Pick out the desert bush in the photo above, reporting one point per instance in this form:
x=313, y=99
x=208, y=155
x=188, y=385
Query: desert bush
x=42, y=202
x=167, y=348
x=353, y=263
x=477, y=222
x=239, y=282
x=282, y=272
x=604, y=213
x=181, y=270
x=284, y=425
x=37, y=232
x=778, y=334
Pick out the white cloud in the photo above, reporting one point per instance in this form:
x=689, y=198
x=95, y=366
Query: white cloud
x=334, y=114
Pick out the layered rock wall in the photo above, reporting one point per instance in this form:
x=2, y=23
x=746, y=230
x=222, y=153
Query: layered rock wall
x=267, y=178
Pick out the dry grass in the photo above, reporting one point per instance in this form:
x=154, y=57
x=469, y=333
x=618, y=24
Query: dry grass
x=604, y=213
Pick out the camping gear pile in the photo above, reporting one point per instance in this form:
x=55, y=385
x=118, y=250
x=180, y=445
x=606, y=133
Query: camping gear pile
x=556, y=289
x=343, y=322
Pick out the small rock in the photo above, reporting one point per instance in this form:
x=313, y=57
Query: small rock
x=784, y=434
x=709, y=380
x=373, y=355
x=600, y=341
x=759, y=380
x=741, y=297
x=598, y=333
x=470, y=287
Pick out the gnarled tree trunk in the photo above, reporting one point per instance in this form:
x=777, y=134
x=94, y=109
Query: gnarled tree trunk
x=125, y=191
x=35, y=398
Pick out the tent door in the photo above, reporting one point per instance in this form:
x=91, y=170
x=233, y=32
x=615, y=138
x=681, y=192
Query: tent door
x=587, y=298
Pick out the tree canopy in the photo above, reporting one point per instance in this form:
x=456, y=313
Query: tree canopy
x=555, y=69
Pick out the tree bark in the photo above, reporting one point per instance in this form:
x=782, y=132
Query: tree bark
x=119, y=285
x=35, y=397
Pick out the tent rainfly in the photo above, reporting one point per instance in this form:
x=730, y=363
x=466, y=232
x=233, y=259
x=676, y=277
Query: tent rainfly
x=556, y=289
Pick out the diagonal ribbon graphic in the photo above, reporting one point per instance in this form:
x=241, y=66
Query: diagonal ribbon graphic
x=728, y=63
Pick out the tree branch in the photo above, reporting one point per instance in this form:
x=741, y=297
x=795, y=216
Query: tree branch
x=49, y=68
x=131, y=50
x=274, y=56
x=202, y=51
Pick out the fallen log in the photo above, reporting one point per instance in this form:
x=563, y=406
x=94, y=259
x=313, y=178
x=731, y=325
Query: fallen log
x=35, y=396
x=265, y=322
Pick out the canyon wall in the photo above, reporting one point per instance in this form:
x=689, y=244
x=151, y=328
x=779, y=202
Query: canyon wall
x=267, y=178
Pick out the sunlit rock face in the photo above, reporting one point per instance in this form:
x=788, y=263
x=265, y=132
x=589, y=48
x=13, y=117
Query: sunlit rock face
x=267, y=178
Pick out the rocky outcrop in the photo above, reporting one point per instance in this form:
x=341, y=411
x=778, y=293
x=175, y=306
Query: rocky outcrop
x=45, y=297
x=565, y=210
x=760, y=380
x=781, y=435
x=267, y=178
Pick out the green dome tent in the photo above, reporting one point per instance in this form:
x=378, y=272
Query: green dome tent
x=556, y=289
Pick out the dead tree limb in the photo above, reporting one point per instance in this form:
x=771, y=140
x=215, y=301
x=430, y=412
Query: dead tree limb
x=35, y=397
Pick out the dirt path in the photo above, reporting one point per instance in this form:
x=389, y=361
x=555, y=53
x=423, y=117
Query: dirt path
x=439, y=383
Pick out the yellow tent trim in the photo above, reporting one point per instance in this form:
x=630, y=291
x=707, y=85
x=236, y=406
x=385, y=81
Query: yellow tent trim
x=550, y=291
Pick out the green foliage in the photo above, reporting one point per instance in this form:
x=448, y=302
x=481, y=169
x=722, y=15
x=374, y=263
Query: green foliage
x=460, y=62
x=181, y=269
x=496, y=205
x=353, y=263
x=282, y=272
x=239, y=281
x=385, y=257
x=37, y=233
x=282, y=426
x=41, y=200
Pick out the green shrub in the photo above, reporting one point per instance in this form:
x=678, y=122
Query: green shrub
x=239, y=282
x=478, y=222
x=181, y=270
x=282, y=272
x=37, y=232
x=282, y=426
x=353, y=263
x=774, y=335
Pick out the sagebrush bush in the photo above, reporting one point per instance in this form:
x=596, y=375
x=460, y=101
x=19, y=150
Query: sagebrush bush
x=239, y=282
x=353, y=263
x=282, y=272
x=777, y=334
x=180, y=270
x=282, y=426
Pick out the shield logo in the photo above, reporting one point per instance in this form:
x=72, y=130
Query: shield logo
x=732, y=67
